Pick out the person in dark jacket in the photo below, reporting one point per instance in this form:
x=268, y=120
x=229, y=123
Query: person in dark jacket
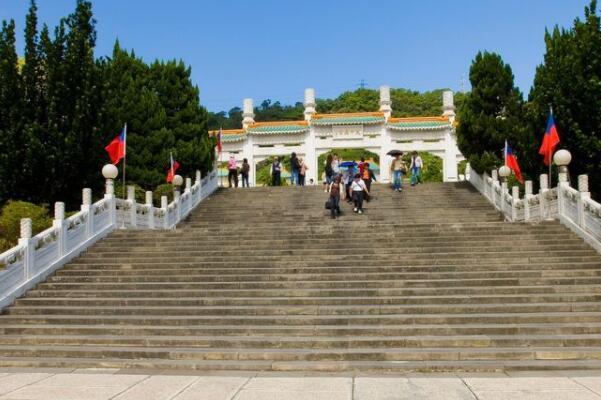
x=294, y=170
x=335, y=189
x=244, y=171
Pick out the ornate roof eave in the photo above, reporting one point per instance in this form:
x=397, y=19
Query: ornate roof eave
x=418, y=128
x=233, y=138
x=363, y=118
x=278, y=128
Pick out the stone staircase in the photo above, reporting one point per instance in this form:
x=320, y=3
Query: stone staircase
x=262, y=279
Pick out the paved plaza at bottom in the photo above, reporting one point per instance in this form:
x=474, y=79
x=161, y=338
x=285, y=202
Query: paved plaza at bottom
x=140, y=385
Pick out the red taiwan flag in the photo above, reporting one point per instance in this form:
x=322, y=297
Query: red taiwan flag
x=173, y=167
x=550, y=140
x=117, y=147
x=512, y=162
x=219, y=146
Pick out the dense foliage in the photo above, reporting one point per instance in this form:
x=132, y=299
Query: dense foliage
x=59, y=107
x=404, y=103
x=569, y=81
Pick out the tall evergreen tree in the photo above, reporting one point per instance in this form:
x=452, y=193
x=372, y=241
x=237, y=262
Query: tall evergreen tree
x=491, y=113
x=570, y=82
x=11, y=108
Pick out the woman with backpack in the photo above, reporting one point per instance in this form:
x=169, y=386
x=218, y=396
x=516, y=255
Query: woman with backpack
x=335, y=195
x=244, y=171
x=358, y=189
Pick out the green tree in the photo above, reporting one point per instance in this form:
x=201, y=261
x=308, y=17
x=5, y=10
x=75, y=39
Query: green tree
x=11, y=108
x=492, y=112
x=569, y=80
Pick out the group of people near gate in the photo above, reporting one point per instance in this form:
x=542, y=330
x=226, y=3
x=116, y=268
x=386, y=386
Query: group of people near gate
x=351, y=181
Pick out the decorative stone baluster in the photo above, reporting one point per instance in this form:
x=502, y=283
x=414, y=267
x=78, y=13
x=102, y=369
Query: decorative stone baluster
x=199, y=183
x=28, y=245
x=178, y=205
x=131, y=199
x=88, y=208
x=150, y=209
x=544, y=188
x=527, y=197
x=61, y=228
x=515, y=194
x=583, y=195
x=165, y=210
x=504, y=196
x=493, y=192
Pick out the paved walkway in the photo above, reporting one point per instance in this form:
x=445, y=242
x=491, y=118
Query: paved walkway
x=141, y=385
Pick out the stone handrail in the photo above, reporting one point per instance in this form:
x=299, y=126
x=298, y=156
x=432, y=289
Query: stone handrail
x=33, y=259
x=572, y=207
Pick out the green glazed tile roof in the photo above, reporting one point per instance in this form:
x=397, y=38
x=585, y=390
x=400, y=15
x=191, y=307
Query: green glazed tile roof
x=277, y=129
x=419, y=125
x=349, y=120
x=233, y=138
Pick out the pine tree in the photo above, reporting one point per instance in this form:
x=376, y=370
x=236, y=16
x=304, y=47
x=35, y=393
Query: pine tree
x=11, y=108
x=491, y=113
x=570, y=82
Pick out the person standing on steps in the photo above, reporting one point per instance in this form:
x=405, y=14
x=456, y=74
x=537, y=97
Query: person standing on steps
x=335, y=195
x=416, y=168
x=367, y=174
x=276, y=172
x=244, y=171
x=294, y=170
x=232, y=174
x=358, y=189
x=302, y=172
x=329, y=172
x=398, y=168
x=347, y=180
x=335, y=165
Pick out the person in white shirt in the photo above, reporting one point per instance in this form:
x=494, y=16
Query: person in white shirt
x=359, y=190
x=416, y=168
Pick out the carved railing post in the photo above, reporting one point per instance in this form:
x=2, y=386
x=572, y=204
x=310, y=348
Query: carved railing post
x=28, y=245
x=109, y=195
x=198, y=182
x=133, y=206
x=61, y=228
x=527, y=197
x=165, y=209
x=150, y=209
x=515, y=194
x=177, y=198
x=88, y=208
x=493, y=192
x=544, y=188
x=583, y=195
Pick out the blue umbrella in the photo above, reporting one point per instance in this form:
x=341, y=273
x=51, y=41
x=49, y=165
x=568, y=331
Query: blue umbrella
x=347, y=164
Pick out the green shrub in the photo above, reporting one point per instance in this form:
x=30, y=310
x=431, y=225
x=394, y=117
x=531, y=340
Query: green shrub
x=461, y=167
x=10, y=220
x=485, y=162
x=140, y=193
x=432, y=170
x=165, y=189
x=264, y=171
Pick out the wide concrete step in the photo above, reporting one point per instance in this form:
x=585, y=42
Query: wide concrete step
x=310, y=320
x=350, y=331
x=199, y=301
x=309, y=342
x=279, y=310
x=355, y=354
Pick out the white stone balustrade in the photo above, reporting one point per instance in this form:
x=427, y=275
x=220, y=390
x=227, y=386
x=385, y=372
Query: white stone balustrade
x=36, y=257
x=573, y=208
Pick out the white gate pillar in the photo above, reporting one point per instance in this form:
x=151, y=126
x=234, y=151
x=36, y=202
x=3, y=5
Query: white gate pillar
x=248, y=152
x=311, y=156
x=450, y=171
x=385, y=146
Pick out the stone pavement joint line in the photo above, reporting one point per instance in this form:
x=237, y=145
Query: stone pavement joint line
x=154, y=385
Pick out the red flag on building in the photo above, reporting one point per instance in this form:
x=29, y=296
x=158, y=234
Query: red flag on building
x=550, y=140
x=512, y=162
x=174, y=165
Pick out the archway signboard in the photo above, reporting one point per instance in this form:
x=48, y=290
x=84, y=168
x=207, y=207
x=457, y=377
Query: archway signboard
x=376, y=132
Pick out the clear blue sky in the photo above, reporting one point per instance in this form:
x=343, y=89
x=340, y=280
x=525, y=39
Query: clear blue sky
x=276, y=48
